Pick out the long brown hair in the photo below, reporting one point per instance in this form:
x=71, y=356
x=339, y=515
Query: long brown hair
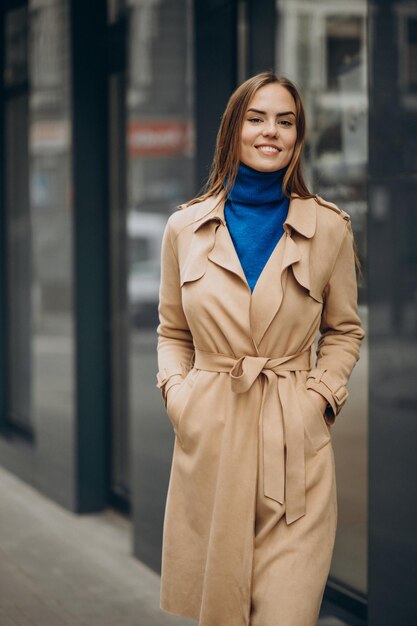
x=225, y=163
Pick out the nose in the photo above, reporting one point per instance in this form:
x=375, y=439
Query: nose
x=270, y=128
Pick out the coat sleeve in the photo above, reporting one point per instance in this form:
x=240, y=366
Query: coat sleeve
x=175, y=342
x=341, y=332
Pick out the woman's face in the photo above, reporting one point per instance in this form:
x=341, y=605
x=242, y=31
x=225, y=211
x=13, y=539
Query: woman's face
x=269, y=131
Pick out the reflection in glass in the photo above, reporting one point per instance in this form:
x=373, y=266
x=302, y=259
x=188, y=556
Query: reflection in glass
x=115, y=10
x=19, y=244
x=160, y=175
x=322, y=47
x=51, y=219
x=15, y=62
x=18, y=224
x=406, y=15
x=145, y=234
x=343, y=36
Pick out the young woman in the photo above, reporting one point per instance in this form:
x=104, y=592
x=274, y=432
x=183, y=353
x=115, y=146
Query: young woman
x=251, y=271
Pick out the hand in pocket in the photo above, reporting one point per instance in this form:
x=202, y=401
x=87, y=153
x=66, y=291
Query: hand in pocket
x=319, y=400
x=172, y=390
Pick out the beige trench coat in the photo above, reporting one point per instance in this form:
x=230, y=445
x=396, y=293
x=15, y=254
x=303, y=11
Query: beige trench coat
x=242, y=363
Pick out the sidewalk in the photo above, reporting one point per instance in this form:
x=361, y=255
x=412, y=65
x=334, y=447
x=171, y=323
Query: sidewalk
x=61, y=569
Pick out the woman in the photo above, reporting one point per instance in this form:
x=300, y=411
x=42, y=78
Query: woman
x=251, y=271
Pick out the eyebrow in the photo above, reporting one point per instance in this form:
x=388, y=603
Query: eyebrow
x=277, y=115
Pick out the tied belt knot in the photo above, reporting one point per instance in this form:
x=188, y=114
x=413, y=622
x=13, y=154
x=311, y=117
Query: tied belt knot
x=282, y=439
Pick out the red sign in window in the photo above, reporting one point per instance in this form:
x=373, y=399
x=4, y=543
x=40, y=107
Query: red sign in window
x=159, y=138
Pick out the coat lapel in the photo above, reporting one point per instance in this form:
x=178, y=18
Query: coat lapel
x=194, y=262
x=270, y=287
x=224, y=254
x=292, y=250
x=302, y=217
x=211, y=240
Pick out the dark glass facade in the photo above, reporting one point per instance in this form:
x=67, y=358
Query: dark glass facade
x=37, y=261
x=392, y=280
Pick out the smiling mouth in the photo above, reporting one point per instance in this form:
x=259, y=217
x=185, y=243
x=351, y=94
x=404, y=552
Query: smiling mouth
x=268, y=149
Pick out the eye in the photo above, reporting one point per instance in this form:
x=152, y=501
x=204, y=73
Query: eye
x=255, y=120
x=285, y=123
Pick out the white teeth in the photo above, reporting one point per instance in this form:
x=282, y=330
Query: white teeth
x=268, y=149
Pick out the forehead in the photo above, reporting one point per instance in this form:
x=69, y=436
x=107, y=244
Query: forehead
x=273, y=97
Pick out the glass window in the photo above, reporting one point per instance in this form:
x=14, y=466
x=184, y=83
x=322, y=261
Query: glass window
x=19, y=242
x=51, y=225
x=407, y=53
x=39, y=226
x=160, y=175
x=16, y=62
x=115, y=10
x=411, y=42
x=343, y=48
x=321, y=45
x=18, y=224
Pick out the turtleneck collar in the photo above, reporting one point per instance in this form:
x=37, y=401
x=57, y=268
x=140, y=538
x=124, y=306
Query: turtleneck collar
x=254, y=187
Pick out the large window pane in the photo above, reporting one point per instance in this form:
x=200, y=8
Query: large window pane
x=18, y=224
x=160, y=175
x=39, y=261
x=321, y=45
x=18, y=266
x=51, y=221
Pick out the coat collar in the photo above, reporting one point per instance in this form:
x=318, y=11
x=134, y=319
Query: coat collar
x=213, y=242
x=301, y=214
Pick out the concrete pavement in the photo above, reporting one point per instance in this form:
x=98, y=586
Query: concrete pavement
x=62, y=569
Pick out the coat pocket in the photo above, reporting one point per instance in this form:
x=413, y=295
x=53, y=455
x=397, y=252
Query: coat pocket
x=177, y=401
x=315, y=426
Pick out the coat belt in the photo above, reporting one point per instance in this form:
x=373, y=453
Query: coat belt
x=283, y=440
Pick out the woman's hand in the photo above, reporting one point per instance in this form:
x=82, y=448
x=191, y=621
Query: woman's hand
x=175, y=387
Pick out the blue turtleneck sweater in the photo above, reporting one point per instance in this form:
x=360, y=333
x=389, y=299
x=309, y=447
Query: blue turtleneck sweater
x=255, y=211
